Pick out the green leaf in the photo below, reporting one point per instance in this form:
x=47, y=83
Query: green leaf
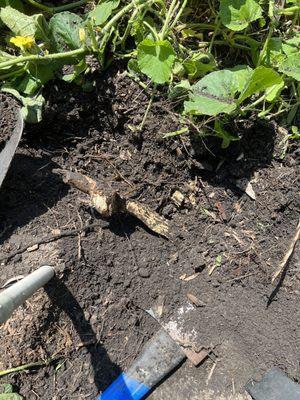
x=261, y=79
x=213, y=94
x=242, y=74
x=103, y=11
x=28, y=85
x=17, y=4
x=237, y=14
x=32, y=105
x=199, y=65
x=8, y=393
x=64, y=31
x=274, y=53
x=226, y=137
x=291, y=46
x=180, y=90
x=77, y=71
x=291, y=66
x=273, y=92
x=156, y=59
x=23, y=25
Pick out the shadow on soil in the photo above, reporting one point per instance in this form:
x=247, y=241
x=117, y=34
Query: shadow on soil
x=29, y=190
x=254, y=151
x=63, y=300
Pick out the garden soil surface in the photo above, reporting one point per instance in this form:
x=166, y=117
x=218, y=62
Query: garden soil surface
x=8, y=117
x=90, y=323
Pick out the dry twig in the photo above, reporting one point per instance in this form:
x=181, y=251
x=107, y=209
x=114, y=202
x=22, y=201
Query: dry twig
x=288, y=254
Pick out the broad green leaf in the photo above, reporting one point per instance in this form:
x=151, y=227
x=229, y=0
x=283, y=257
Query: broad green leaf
x=17, y=4
x=242, y=74
x=199, y=65
x=156, y=59
x=273, y=92
x=24, y=25
x=64, y=31
x=261, y=79
x=32, y=105
x=238, y=14
x=103, y=11
x=291, y=46
x=291, y=66
x=29, y=85
x=8, y=393
x=213, y=94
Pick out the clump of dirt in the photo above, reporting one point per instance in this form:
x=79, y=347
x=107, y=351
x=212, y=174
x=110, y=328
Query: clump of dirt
x=8, y=117
x=91, y=319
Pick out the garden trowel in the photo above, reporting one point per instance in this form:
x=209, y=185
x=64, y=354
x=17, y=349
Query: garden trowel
x=7, y=154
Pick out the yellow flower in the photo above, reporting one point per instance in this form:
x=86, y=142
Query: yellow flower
x=82, y=35
x=26, y=42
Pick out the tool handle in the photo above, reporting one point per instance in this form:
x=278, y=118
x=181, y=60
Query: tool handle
x=125, y=388
x=17, y=293
x=160, y=355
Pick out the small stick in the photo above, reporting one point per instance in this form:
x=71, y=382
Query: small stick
x=48, y=239
x=288, y=254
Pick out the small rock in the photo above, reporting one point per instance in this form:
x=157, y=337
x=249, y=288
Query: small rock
x=144, y=272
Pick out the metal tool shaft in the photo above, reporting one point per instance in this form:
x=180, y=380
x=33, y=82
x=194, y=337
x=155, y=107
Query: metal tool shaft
x=12, y=297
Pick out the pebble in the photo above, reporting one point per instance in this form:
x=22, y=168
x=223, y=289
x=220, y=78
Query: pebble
x=144, y=272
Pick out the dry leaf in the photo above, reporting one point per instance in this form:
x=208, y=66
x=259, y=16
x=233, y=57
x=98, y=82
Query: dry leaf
x=193, y=299
x=246, y=187
x=187, y=278
x=33, y=248
x=177, y=198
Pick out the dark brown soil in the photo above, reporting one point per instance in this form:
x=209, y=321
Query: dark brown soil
x=91, y=319
x=8, y=118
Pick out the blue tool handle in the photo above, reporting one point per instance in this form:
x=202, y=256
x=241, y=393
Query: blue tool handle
x=125, y=388
x=159, y=356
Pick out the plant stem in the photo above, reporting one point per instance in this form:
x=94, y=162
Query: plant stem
x=266, y=44
x=255, y=103
x=153, y=31
x=216, y=31
x=36, y=57
x=12, y=73
x=25, y=367
x=178, y=14
x=53, y=10
x=123, y=11
x=289, y=10
x=167, y=20
x=148, y=108
x=92, y=36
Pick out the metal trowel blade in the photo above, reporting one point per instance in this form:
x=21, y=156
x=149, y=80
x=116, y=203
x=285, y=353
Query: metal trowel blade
x=7, y=154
